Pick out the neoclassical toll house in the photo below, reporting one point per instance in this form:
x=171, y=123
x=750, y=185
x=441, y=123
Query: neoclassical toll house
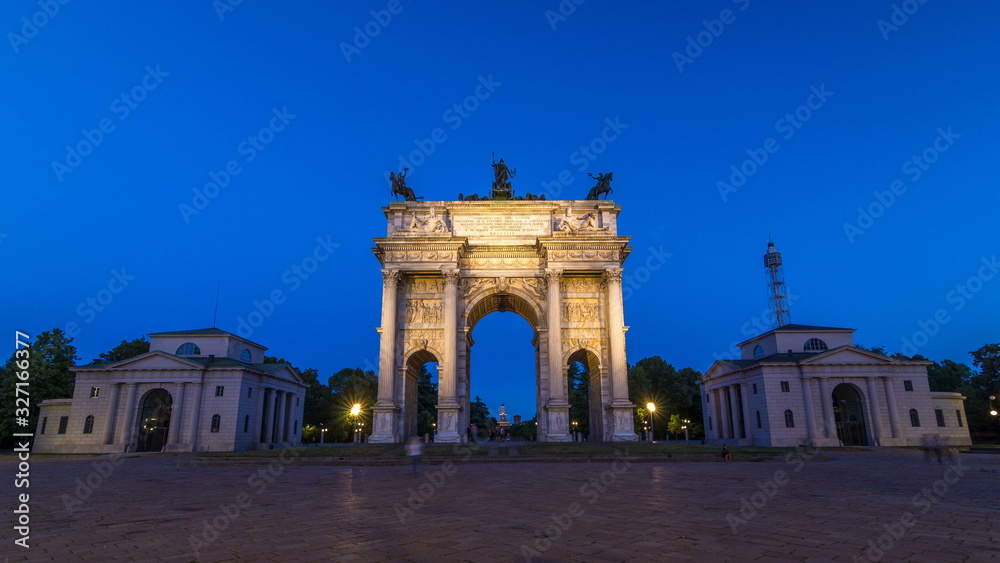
x=801, y=384
x=448, y=264
x=195, y=390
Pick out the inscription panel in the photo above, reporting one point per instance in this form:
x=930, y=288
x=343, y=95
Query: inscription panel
x=479, y=226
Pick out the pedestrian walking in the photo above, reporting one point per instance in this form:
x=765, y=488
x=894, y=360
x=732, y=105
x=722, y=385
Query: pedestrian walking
x=725, y=453
x=413, y=449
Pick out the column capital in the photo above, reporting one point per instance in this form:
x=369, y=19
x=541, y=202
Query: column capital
x=611, y=276
x=451, y=276
x=391, y=278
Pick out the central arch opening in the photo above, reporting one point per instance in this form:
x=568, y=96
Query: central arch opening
x=504, y=369
x=849, y=415
x=154, y=421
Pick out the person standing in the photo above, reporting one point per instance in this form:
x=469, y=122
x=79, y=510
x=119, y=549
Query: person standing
x=725, y=453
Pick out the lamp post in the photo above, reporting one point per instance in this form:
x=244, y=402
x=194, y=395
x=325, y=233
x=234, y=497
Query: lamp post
x=576, y=438
x=687, y=432
x=322, y=435
x=355, y=411
x=652, y=432
x=993, y=410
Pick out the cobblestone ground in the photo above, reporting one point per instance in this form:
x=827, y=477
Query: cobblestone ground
x=160, y=508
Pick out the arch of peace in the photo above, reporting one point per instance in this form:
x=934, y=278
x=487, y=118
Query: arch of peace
x=448, y=264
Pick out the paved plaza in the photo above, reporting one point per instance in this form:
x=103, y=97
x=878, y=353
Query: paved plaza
x=160, y=507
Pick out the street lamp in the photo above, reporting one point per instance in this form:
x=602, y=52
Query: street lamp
x=322, y=435
x=687, y=433
x=575, y=437
x=355, y=411
x=993, y=410
x=652, y=432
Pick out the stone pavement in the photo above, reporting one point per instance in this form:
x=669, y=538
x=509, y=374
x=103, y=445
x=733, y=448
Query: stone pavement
x=160, y=508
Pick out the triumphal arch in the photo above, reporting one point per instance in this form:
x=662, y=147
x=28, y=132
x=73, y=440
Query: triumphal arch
x=447, y=264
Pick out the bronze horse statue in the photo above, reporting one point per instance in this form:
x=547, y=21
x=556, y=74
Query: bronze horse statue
x=399, y=187
x=603, y=185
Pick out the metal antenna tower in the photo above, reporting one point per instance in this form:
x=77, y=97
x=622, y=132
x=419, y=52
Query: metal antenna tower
x=776, y=290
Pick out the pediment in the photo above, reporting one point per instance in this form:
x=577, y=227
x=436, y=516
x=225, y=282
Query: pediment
x=848, y=355
x=287, y=373
x=155, y=359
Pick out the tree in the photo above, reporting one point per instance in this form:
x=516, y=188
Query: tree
x=427, y=398
x=478, y=412
x=675, y=425
x=127, y=349
x=673, y=392
x=948, y=376
x=351, y=387
x=579, y=397
x=980, y=386
x=49, y=360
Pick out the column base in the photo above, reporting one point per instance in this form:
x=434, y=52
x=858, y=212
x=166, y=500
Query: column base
x=624, y=426
x=448, y=432
x=385, y=418
x=557, y=416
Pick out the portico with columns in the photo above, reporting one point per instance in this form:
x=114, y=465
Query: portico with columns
x=448, y=264
x=200, y=390
x=802, y=384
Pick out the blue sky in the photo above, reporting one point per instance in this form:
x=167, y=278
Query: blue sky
x=116, y=116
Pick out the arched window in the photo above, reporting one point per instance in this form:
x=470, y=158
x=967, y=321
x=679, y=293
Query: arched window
x=789, y=419
x=815, y=345
x=914, y=418
x=88, y=425
x=758, y=351
x=245, y=356
x=246, y=424
x=189, y=349
x=216, y=422
x=758, y=419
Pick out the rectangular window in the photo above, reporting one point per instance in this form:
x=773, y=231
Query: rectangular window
x=908, y=385
x=250, y=393
x=784, y=387
x=45, y=421
x=709, y=423
x=708, y=398
x=63, y=423
x=754, y=388
x=939, y=415
x=218, y=390
x=958, y=415
x=94, y=392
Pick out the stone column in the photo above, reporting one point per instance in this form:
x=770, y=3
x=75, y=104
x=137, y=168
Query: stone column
x=268, y=416
x=731, y=411
x=449, y=410
x=557, y=404
x=874, y=411
x=620, y=403
x=807, y=398
x=386, y=410
x=724, y=413
x=258, y=414
x=890, y=399
x=176, y=412
x=111, y=416
x=195, y=418
x=829, y=424
x=279, y=427
x=749, y=420
x=127, y=425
